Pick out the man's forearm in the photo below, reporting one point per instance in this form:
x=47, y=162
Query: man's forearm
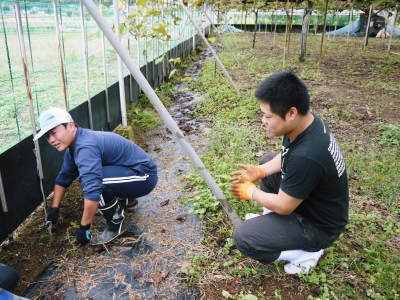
x=280, y=203
x=90, y=208
x=59, y=192
x=273, y=166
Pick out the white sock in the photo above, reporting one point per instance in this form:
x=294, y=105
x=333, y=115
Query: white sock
x=266, y=211
x=304, y=262
x=249, y=216
x=291, y=255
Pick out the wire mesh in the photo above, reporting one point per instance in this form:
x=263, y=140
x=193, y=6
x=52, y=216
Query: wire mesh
x=44, y=61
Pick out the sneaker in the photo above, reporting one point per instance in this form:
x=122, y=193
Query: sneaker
x=304, y=263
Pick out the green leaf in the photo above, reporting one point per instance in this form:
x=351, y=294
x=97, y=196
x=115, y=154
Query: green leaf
x=153, y=12
x=186, y=79
x=172, y=73
x=141, y=2
x=212, y=39
x=249, y=297
x=160, y=59
x=226, y=294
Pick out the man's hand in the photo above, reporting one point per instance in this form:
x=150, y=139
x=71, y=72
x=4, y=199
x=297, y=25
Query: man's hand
x=83, y=234
x=243, y=190
x=54, y=214
x=248, y=173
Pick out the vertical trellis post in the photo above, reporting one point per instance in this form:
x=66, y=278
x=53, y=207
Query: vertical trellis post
x=3, y=199
x=29, y=95
x=170, y=123
x=86, y=65
x=351, y=22
x=60, y=53
x=393, y=26
x=323, y=35
x=367, y=29
x=11, y=74
x=189, y=15
x=119, y=64
x=129, y=50
x=105, y=70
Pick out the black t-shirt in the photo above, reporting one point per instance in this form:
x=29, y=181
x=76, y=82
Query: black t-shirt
x=313, y=170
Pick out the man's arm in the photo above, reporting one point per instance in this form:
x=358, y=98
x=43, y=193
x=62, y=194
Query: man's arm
x=89, y=210
x=59, y=192
x=273, y=166
x=280, y=203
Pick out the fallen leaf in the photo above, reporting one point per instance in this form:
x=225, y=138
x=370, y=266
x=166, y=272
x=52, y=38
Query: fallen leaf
x=181, y=218
x=165, y=202
x=159, y=276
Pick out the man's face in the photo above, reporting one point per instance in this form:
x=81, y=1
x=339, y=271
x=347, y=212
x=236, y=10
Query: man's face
x=273, y=122
x=61, y=137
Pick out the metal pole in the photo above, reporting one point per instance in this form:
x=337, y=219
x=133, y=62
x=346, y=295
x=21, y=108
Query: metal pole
x=105, y=71
x=367, y=29
x=393, y=26
x=3, y=196
x=119, y=63
x=323, y=35
x=209, y=47
x=170, y=123
x=11, y=75
x=85, y=51
x=60, y=53
x=29, y=94
x=351, y=22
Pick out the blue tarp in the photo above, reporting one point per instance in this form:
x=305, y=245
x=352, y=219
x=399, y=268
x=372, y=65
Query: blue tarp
x=396, y=30
x=352, y=29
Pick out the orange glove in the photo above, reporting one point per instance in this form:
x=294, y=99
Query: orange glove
x=243, y=190
x=248, y=173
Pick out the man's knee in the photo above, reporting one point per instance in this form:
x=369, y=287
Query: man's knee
x=8, y=277
x=266, y=158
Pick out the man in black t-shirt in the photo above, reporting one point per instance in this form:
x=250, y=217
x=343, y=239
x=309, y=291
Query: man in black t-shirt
x=303, y=189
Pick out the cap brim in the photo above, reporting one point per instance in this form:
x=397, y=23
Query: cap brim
x=42, y=132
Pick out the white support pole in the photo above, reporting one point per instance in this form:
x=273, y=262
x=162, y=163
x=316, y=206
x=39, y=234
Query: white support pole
x=209, y=46
x=351, y=22
x=86, y=66
x=221, y=38
x=29, y=95
x=105, y=71
x=119, y=63
x=60, y=53
x=3, y=199
x=393, y=27
x=170, y=123
x=367, y=29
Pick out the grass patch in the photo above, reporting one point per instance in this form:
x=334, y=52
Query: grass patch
x=364, y=261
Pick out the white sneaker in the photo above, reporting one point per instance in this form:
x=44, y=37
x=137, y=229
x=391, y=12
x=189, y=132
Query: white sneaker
x=304, y=263
x=249, y=216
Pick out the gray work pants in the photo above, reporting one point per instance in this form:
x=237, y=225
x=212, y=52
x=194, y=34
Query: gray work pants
x=264, y=237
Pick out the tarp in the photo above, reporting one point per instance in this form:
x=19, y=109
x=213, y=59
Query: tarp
x=352, y=29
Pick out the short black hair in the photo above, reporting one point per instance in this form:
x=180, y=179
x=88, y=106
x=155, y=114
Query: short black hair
x=283, y=90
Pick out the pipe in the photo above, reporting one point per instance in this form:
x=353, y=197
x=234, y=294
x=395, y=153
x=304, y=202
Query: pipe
x=170, y=123
x=121, y=84
x=209, y=46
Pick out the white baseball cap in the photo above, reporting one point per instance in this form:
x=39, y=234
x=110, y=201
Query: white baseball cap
x=52, y=118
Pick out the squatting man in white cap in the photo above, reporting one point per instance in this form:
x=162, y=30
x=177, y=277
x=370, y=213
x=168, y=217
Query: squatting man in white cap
x=303, y=189
x=113, y=172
